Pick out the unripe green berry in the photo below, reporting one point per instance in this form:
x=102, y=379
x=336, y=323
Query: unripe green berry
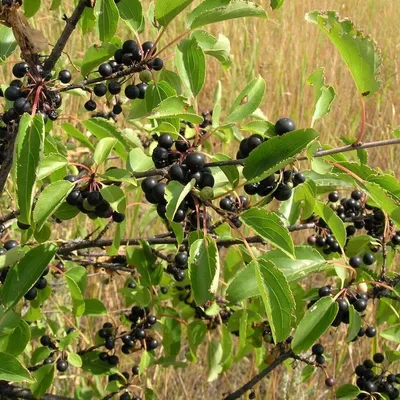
x=207, y=193
x=145, y=76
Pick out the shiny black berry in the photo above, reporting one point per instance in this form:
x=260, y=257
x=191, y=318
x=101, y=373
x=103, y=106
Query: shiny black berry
x=142, y=89
x=62, y=365
x=132, y=92
x=370, y=332
x=157, y=64
x=114, y=87
x=65, y=76
x=195, y=161
x=118, y=217
x=19, y=70
x=90, y=105
x=147, y=46
x=105, y=70
x=283, y=192
x=12, y=93
x=284, y=125
x=368, y=259
x=148, y=184
x=100, y=89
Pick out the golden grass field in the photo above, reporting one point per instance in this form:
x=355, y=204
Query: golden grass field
x=285, y=50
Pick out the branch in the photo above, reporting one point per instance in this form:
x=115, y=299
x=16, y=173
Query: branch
x=15, y=392
x=65, y=35
x=246, y=387
x=322, y=153
x=86, y=244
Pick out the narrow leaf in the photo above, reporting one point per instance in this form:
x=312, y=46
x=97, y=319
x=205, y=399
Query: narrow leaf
x=248, y=100
x=103, y=149
x=49, y=200
x=276, y=152
x=24, y=275
x=211, y=11
x=12, y=370
x=29, y=147
x=204, y=269
x=175, y=194
x=270, y=227
x=107, y=15
x=166, y=10
x=315, y=322
x=358, y=51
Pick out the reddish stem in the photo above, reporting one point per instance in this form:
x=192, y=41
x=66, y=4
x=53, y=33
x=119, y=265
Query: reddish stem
x=363, y=123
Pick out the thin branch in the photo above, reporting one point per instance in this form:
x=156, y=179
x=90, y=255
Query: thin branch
x=322, y=153
x=65, y=35
x=249, y=385
x=86, y=244
x=16, y=392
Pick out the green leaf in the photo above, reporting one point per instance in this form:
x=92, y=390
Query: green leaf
x=276, y=152
x=196, y=332
x=39, y=355
x=130, y=12
x=11, y=257
x=166, y=10
x=323, y=94
x=78, y=135
x=392, y=333
x=12, y=370
x=354, y=325
x=248, y=100
x=138, y=161
x=67, y=340
x=211, y=11
x=74, y=359
x=176, y=107
x=305, y=195
x=103, y=149
x=316, y=321
x=95, y=55
x=44, y=378
x=347, y=392
x=214, y=360
x=155, y=94
x=171, y=332
x=175, y=193
x=24, y=275
x=9, y=320
x=219, y=48
x=334, y=222
x=270, y=227
x=94, y=307
x=276, y=4
x=31, y=7
x=307, y=261
x=49, y=200
x=230, y=171
x=191, y=63
x=91, y=363
x=107, y=15
x=277, y=298
x=7, y=42
x=244, y=285
x=29, y=148
x=76, y=279
x=50, y=164
x=358, y=51
x=102, y=128
x=204, y=269
x=19, y=339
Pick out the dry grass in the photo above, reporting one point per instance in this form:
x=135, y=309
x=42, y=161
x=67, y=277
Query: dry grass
x=284, y=50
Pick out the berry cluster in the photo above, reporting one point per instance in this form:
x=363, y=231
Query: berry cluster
x=247, y=145
x=278, y=185
x=142, y=322
x=33, y=91
x=326, y=241
x=318, y=351
x=234, y=205
x=372, y=382
x=192, y=167
x=127, y=60
x=61, y=364
x=90, y=201
x=177, y=268
x=358, y=299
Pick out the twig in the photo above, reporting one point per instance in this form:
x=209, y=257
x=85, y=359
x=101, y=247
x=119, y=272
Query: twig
x=6, y=165
x=65, y=35
x=246, y=387
x=15, y=392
